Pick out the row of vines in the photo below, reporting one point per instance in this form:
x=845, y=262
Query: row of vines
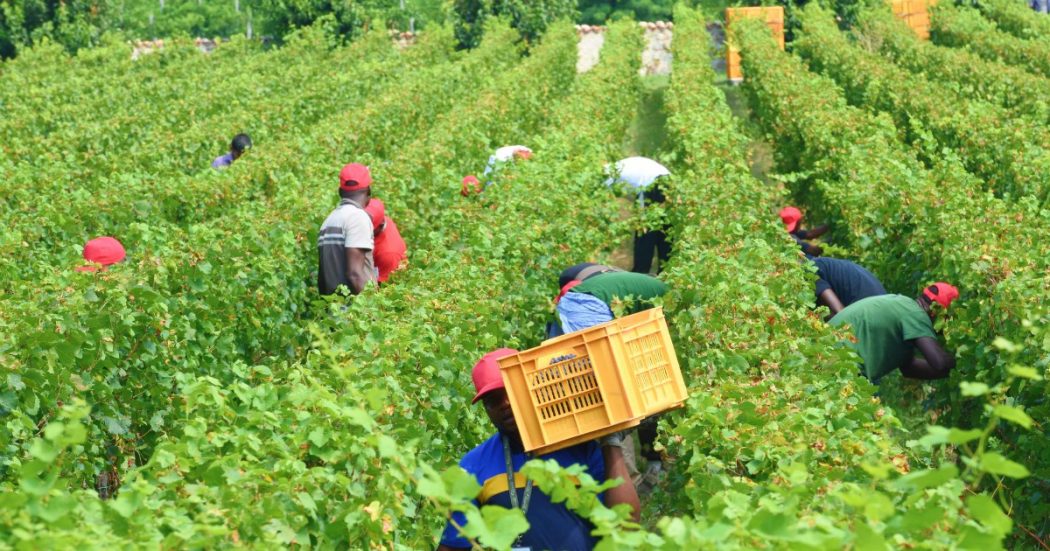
x=223, y=403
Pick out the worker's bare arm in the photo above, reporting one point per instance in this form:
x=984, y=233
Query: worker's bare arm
x=444, y=547
x=936, y=363
x=356, y=269
x=615, y=467
x=817, y=231
x=831, y=300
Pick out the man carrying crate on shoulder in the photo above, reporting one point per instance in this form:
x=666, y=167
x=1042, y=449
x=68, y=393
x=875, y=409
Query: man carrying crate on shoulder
x=496, y=462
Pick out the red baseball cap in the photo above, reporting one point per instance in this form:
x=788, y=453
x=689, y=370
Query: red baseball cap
x=354, y=176
x=102, y=251
x=942, y=293
x=377, y=210
x=486, y=372
x=791, y=217
x=470, y=184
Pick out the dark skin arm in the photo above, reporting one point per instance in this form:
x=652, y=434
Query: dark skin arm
x=936, y=363
x=444, y=547
x=831, y=300
x=615, y=467
x=356, y=271
x=815, y=232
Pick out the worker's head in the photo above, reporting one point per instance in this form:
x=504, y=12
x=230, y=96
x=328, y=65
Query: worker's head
x=940, y=293
x=355, y=182
x=523, y=153
x=488, y=387
x=102, y=252
x=470, y=185
x=240, y=144
x=377, y=212
x=791, y=217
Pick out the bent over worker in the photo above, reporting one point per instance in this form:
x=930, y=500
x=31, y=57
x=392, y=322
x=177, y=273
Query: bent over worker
x=841, y=283
x=644, y=176
x=589, y=302
x=889, y=328
x=389, y=252
x=345, y=242
x=792, y=218
x=496, y=463
x=240, y=144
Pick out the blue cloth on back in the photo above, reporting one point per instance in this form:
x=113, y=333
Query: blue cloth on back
x=579, y=311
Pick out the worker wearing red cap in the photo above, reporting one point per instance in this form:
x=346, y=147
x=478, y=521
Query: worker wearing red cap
x=501, y=157
x=389, y=251
x=792, y=218
x=496, y=463
x=346, y=241
x=101, y=253
x=888, y=329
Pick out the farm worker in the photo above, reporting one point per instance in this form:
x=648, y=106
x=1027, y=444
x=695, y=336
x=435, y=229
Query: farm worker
x=643, y=176
x=589, y=303
x=346, y=241
x=570, y=277
x=792, y=218
x=101, y=253
x=240, y=144
x=471, y=185
x=841, y=283
x=496, y=463
x=888, y=329
x=390, y=250
x=505, y=155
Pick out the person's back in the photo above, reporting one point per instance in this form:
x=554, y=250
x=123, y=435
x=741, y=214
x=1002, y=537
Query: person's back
x=612, y=286
x=390, y=250
x=885, y=328
x=850, y=281
x=637, y=172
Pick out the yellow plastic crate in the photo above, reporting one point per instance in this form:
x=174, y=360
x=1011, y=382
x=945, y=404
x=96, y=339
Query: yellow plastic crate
x=774, y=19
x=593, y=382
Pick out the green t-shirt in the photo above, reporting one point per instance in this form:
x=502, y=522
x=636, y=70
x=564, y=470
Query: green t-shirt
x=885, y=327
x=620, y=285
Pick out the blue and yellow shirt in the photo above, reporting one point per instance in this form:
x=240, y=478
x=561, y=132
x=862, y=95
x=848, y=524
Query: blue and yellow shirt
x=551, y=525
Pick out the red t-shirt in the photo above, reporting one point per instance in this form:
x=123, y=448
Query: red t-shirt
x=389, y=250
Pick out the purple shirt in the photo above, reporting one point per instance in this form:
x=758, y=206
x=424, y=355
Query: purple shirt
x=222, y=161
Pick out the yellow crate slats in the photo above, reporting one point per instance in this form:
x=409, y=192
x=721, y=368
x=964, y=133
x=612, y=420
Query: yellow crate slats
x=774, y=18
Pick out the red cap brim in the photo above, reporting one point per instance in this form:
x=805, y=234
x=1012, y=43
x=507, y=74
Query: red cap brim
x=494, y=385
x=792, y=226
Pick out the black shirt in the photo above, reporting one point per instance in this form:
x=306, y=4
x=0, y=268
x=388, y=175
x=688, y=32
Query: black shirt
x=850, y=281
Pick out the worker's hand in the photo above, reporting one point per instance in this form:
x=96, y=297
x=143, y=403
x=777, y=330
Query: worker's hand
x=614, y=440
x=815, y=250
